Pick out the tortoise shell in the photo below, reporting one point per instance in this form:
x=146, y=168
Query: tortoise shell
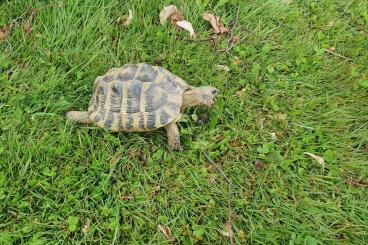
x=136, y=97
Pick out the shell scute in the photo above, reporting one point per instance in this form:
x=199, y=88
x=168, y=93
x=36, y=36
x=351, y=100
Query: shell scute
x=136, y=97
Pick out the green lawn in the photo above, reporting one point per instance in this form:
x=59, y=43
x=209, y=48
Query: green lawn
x=284, y=95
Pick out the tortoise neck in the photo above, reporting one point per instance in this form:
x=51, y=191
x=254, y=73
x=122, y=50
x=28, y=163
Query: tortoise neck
x=192, y=97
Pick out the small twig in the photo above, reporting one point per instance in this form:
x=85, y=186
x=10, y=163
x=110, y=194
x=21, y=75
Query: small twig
x=219, y=169
x=230, y=185
x=338, y=55
x=236, y=18
x=231, y=42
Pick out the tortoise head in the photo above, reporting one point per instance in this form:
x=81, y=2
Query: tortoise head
x=204, y=95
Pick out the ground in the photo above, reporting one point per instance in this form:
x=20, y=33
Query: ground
x=297, y=83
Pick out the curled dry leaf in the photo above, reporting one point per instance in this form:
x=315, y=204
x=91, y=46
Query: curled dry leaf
x=86, y=226
x=176, y=16
x=177, y=19
x=217, y=26
x=5, y=31
x=27, y=26
x=187, y=26
x=166, y=12
x=318, y=159
x=165, y=230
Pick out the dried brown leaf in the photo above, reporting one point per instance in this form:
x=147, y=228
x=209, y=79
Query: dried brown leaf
x=177, y=16
x=165, y=230
x=27, y=26
x=5, y=31
x=318, y=159
x=86, y=226
x=186, y=26
x=166, y=12
x=217, y=26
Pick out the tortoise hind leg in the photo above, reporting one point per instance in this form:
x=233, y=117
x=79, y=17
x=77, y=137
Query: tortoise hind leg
x=173, y=136
x=79, y=116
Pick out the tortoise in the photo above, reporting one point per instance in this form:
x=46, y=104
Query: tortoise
x=142, y=97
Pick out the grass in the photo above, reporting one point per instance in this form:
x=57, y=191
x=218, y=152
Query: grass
x=284, y=95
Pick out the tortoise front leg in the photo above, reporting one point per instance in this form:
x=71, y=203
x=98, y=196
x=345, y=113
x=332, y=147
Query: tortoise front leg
x=173, y=136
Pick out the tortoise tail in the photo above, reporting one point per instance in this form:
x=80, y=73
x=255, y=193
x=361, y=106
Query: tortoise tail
x=79, y=116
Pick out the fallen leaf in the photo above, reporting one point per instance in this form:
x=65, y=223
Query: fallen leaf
x=222, y=67
x=187, y=26
x=217, y=26
x=27, y=26
x=319, y=159
x=165, y=230
x=176, y=16
x=5, y=31
x=166, y=12
x=86, y=226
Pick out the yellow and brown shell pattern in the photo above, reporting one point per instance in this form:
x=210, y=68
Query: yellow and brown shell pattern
x=136, y=97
